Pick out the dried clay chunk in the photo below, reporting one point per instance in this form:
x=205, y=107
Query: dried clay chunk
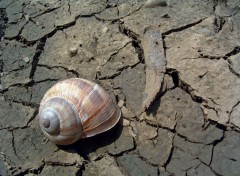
x=155, y=60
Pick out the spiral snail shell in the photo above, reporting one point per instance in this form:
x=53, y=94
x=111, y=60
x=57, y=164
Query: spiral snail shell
x=76, y=108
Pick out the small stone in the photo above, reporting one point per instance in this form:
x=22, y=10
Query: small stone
x=72, y=51
x=125, y=121
x=27, y=17
x=26, y=59
x=142, y=116
x=126, y=113
x=154, y=3
x=120, y=103
x=105, y=29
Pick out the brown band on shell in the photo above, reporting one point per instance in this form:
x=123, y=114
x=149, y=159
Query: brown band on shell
x=92, y=107
x=108, y=123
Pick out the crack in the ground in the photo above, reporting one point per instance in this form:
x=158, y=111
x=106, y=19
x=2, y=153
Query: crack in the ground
x=214, y=145
x=215, y=5
x=233, y=107
x=125, y=151
x=16, y=69
x=11, y=168
x=3, y=22
x=115, y=53
x=135, y=38
x=189, y=90
x=47, y=11
x=235, y=51
x=170, y=154
x=6, y=161
x=118, y=18
x=58, y=163
x=121, y=167
x=32, y=118
x=178, y=82
x=202, y=55
x=45, y=80
x=69, y=7
x=36, y=57
x=209, y=167
x=13, y=145
x=23, y=103
x=23, y=40
x=89, y=15
x=12, y=1
x=181, y=28
x=219, y=23
x=139, y=156
x=16, y=85
x=18, y=36
x=152, y=124
x=230, y=66
x=65, y=68
x=35, y=171
x=119, y=71
x=98, y=77
x=148, y=162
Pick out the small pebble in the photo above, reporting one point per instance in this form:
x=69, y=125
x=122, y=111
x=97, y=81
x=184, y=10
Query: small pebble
x=142, y=116
x=120, y=103
x=126, y=122
x=126, y=113
x=26, y=59
x=72, y=51
x=105, y=29
x=154, y=3
x=27, y=17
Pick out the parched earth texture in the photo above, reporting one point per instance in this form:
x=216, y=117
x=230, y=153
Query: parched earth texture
x=192, y=126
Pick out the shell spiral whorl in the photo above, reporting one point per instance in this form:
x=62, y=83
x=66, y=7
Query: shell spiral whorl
x=76, y=108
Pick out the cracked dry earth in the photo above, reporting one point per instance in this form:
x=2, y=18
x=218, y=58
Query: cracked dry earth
x=191, y=127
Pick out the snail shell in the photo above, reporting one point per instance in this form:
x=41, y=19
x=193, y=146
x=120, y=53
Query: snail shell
x=76, y=108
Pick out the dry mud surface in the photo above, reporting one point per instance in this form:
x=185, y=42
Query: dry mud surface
x=191, y=127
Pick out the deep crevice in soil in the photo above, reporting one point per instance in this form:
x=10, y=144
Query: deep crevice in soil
x=136, y=42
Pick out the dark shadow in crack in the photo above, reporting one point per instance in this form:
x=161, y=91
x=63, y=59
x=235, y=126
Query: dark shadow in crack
x=155, y=104
x=88, y=145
